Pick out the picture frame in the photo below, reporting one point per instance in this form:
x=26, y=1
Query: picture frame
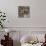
x=23, y=11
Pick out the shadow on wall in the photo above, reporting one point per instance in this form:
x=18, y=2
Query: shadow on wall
x=16, y=43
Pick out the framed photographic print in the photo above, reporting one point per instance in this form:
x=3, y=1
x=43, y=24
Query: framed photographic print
x=23, y=11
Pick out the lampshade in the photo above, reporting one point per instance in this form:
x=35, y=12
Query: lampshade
x=7, y=30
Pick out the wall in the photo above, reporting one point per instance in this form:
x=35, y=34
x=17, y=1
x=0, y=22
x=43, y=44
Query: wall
x=37, y=13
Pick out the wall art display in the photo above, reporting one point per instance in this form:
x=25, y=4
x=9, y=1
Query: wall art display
x=23, y=11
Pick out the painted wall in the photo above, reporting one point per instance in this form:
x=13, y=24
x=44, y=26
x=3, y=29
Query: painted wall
x=37, y=13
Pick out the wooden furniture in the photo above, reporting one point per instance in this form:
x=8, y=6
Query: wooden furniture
x=44, y=44
x=8, y=41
